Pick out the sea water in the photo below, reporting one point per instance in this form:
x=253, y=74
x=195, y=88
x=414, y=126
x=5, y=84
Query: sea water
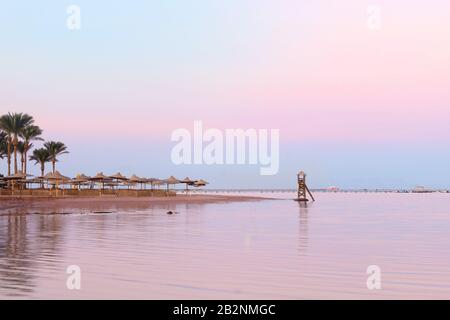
x=269, y=249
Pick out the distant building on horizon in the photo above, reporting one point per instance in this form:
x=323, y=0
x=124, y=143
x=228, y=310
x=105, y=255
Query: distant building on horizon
x=421, y=189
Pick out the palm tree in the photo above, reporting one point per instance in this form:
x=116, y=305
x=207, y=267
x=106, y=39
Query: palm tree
x=29, y=134
x=6, y=126
x=13, y=124
x=3, y=144
x=55, y=149
x=41, y=156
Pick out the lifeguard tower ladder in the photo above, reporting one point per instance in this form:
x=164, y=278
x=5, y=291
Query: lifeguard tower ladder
x=302, y=188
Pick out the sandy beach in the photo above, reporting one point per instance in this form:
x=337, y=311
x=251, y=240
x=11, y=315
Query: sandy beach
x=26, y=205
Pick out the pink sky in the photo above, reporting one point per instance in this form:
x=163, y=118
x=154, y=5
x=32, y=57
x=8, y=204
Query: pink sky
x=309, y=68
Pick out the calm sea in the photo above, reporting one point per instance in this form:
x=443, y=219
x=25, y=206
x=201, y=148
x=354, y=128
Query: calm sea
x=271, y=249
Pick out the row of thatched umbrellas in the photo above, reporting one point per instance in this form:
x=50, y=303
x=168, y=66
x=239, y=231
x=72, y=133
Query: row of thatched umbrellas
x=56, y=178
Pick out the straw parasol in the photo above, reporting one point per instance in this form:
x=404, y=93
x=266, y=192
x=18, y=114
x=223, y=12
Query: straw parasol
x=119, y=178
x=83, y=176
x=152, y=181
x=79, y=180
x=127, y=184
x=171, y=180
x=37, y=180
x=56, y=178
x=188, y=183
x=135, y=179
x=157, y=182
x=112, y=184
x=101, y=178
x=200, y=183
x=17, y=177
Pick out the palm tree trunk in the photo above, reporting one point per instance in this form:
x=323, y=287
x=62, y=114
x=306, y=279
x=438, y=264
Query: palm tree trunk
x=25, y=163
x=15, y=159
x=15, y=154
x=9, y=158
x=22, y=162
x=54, y=165
x=42, y=174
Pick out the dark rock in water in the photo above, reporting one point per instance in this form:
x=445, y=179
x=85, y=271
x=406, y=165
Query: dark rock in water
x=50, y=213
x=169, y=212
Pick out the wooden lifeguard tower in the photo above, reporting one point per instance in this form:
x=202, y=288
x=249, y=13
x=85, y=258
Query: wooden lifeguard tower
x=302, y=188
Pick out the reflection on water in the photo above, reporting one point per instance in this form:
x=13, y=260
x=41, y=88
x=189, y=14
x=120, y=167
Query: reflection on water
x=249, y=250
x=303, y=229
x=24, y=240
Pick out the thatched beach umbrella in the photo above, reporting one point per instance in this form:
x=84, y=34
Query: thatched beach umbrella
x=188, y=183
x=101, y=178
x=135, y=179
x=157, y=182
x=150, y=180
x=79, y=180
x=112, y=184
x=56, y=176
x=17, y=178
x=119, y=178
x=200, y=183
x=127, y=184
x=56, y=179
x=37, y=180
x=171, y=180
x=154, y=182
x=41, y=178
x=83, y=176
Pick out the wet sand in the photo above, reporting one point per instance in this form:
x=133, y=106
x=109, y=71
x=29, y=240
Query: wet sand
x=26, y=205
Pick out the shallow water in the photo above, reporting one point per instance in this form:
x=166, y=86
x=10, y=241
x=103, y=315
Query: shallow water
x=271, y=249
